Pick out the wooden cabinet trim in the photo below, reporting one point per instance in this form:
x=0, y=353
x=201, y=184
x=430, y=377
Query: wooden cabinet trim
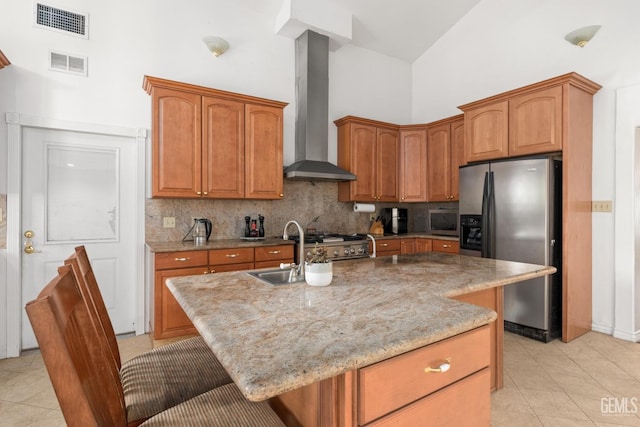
x=149, y=83
x=573, y=79
x=3, y=61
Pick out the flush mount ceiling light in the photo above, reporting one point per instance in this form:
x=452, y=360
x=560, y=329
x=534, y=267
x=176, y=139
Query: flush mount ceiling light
x=216, y=45
x=581, y=36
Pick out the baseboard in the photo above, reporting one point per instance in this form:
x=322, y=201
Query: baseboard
x=602, y=329
x=627, y=336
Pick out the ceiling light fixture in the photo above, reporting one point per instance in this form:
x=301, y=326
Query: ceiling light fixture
x=216, y=45
x=581, y=36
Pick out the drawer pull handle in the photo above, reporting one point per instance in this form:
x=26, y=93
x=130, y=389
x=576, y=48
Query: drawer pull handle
x=182, y=259
x=384, y=245
x=446, y=246
x=274, y=252
x=232, y=255
x=443, y=367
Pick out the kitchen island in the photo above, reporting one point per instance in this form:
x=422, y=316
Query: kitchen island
x=277, y=340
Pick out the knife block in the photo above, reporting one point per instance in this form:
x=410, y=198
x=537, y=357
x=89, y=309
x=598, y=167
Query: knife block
x=376, y=228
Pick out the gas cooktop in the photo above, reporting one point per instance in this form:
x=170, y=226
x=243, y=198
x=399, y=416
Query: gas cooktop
x=329, y=238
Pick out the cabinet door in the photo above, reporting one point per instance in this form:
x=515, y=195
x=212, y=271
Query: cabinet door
x=176, y=144
x=169, y=319
x=362, y=162
x=263, y=152
x=388, y=150
x=412, y=173
x=439, y=163
x=407, y=246
x=457, y=156
x=423, y=245
x=535, y=122
x=222, y=148
x=487, y=132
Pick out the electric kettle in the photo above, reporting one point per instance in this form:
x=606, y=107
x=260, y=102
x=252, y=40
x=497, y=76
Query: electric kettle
x=201, y=231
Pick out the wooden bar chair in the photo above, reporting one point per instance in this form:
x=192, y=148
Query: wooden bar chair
x=158, y=379
x=90, y=391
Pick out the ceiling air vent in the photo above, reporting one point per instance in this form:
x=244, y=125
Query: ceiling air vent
x=61, y=20
x=72, y=64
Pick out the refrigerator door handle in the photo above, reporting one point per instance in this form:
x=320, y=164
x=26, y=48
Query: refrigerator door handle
x=488, y=217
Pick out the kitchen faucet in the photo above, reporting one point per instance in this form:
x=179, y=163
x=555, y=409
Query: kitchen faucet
x=373, y=239
x=299, y=269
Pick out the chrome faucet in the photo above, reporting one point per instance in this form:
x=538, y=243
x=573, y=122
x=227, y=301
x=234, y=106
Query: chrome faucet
x=299, y=272
x=373, y=239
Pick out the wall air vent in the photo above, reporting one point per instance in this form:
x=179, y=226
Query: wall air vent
x=72, y=64
x=61, y=20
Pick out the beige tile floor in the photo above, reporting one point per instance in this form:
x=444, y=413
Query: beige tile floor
x=583, y=383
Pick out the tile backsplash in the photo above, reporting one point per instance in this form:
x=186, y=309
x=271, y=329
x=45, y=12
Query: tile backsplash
x=312, y=204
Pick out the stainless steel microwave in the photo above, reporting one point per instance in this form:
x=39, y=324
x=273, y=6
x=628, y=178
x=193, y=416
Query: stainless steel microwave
x=443, y=222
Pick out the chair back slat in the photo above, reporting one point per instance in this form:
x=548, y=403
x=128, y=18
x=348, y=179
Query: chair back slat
x=91, y=291
x=76, y=358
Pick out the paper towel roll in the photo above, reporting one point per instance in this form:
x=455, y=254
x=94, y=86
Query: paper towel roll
x=364, y=208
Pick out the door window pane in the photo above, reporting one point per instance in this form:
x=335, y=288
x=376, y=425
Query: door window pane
x=82, y=194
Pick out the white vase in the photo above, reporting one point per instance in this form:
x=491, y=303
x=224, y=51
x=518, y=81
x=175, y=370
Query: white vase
x=318, y=274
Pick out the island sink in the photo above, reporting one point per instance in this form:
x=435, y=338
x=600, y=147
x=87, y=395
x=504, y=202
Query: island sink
x=275, y=277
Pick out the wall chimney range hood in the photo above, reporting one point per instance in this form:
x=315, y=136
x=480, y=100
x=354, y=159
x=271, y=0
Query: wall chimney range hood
x=312, y=113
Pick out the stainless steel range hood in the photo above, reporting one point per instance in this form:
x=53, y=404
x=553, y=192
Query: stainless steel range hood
x=312, y=114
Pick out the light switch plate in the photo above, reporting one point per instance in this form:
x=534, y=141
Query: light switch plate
x=601, y=205
x=169, y=222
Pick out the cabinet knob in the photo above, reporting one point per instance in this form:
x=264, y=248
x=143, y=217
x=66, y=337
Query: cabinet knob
x=205, y=193
x=443, y=367
x=199, y=193
x=281, y=195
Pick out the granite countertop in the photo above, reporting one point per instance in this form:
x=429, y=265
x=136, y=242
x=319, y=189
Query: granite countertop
x=272, y=339
x=413, y=235
x=215, y=244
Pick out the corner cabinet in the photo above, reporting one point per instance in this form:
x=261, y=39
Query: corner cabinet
x=445, y=154
x=369, y=150
x=412, y=171
x=208, y=143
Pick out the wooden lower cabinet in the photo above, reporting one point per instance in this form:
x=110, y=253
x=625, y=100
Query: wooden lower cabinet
x=169, y=320
x=399, y=391
x=423, y=245
x=491, y=299
x=447, y=246
x=387, y=247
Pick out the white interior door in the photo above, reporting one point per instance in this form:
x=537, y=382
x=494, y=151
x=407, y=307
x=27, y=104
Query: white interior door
x=76, y=190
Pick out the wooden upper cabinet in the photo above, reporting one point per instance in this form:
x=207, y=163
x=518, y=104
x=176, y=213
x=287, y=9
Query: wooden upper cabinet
x=263, y=152
x=388, y=150
x=444, y=154
x=487, y=132
x=176, y=147
x=412, y=167
x=223, y=147
x=370, y=151
x=214, y=144
x=535, y=122
x=3, y=61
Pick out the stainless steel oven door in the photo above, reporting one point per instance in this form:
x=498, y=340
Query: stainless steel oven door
x=471, y=235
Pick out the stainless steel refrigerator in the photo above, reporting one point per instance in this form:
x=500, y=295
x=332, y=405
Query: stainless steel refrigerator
x=512, y=210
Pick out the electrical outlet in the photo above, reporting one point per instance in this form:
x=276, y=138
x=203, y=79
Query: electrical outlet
x=601, y=206
x=169, y=222
x=372, y=217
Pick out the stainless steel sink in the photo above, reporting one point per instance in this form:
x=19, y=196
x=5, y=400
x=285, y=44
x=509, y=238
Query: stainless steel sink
x=274, y=277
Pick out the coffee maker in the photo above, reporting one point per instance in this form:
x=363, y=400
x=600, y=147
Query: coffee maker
x=395, y=220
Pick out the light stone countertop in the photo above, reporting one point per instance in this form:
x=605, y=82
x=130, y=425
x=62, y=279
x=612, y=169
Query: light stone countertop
x=272, y=339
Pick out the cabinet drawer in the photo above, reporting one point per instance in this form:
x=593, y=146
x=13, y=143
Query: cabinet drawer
x=270, y=253
x=451, y=406
x=396, y=382
x=182, y=259
x=449, y=246
x=389, y=245
x=230, y=256
x=221, y=268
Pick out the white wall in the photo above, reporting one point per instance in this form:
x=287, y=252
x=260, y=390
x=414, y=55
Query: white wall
x=504, y=44
x=162, y=38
